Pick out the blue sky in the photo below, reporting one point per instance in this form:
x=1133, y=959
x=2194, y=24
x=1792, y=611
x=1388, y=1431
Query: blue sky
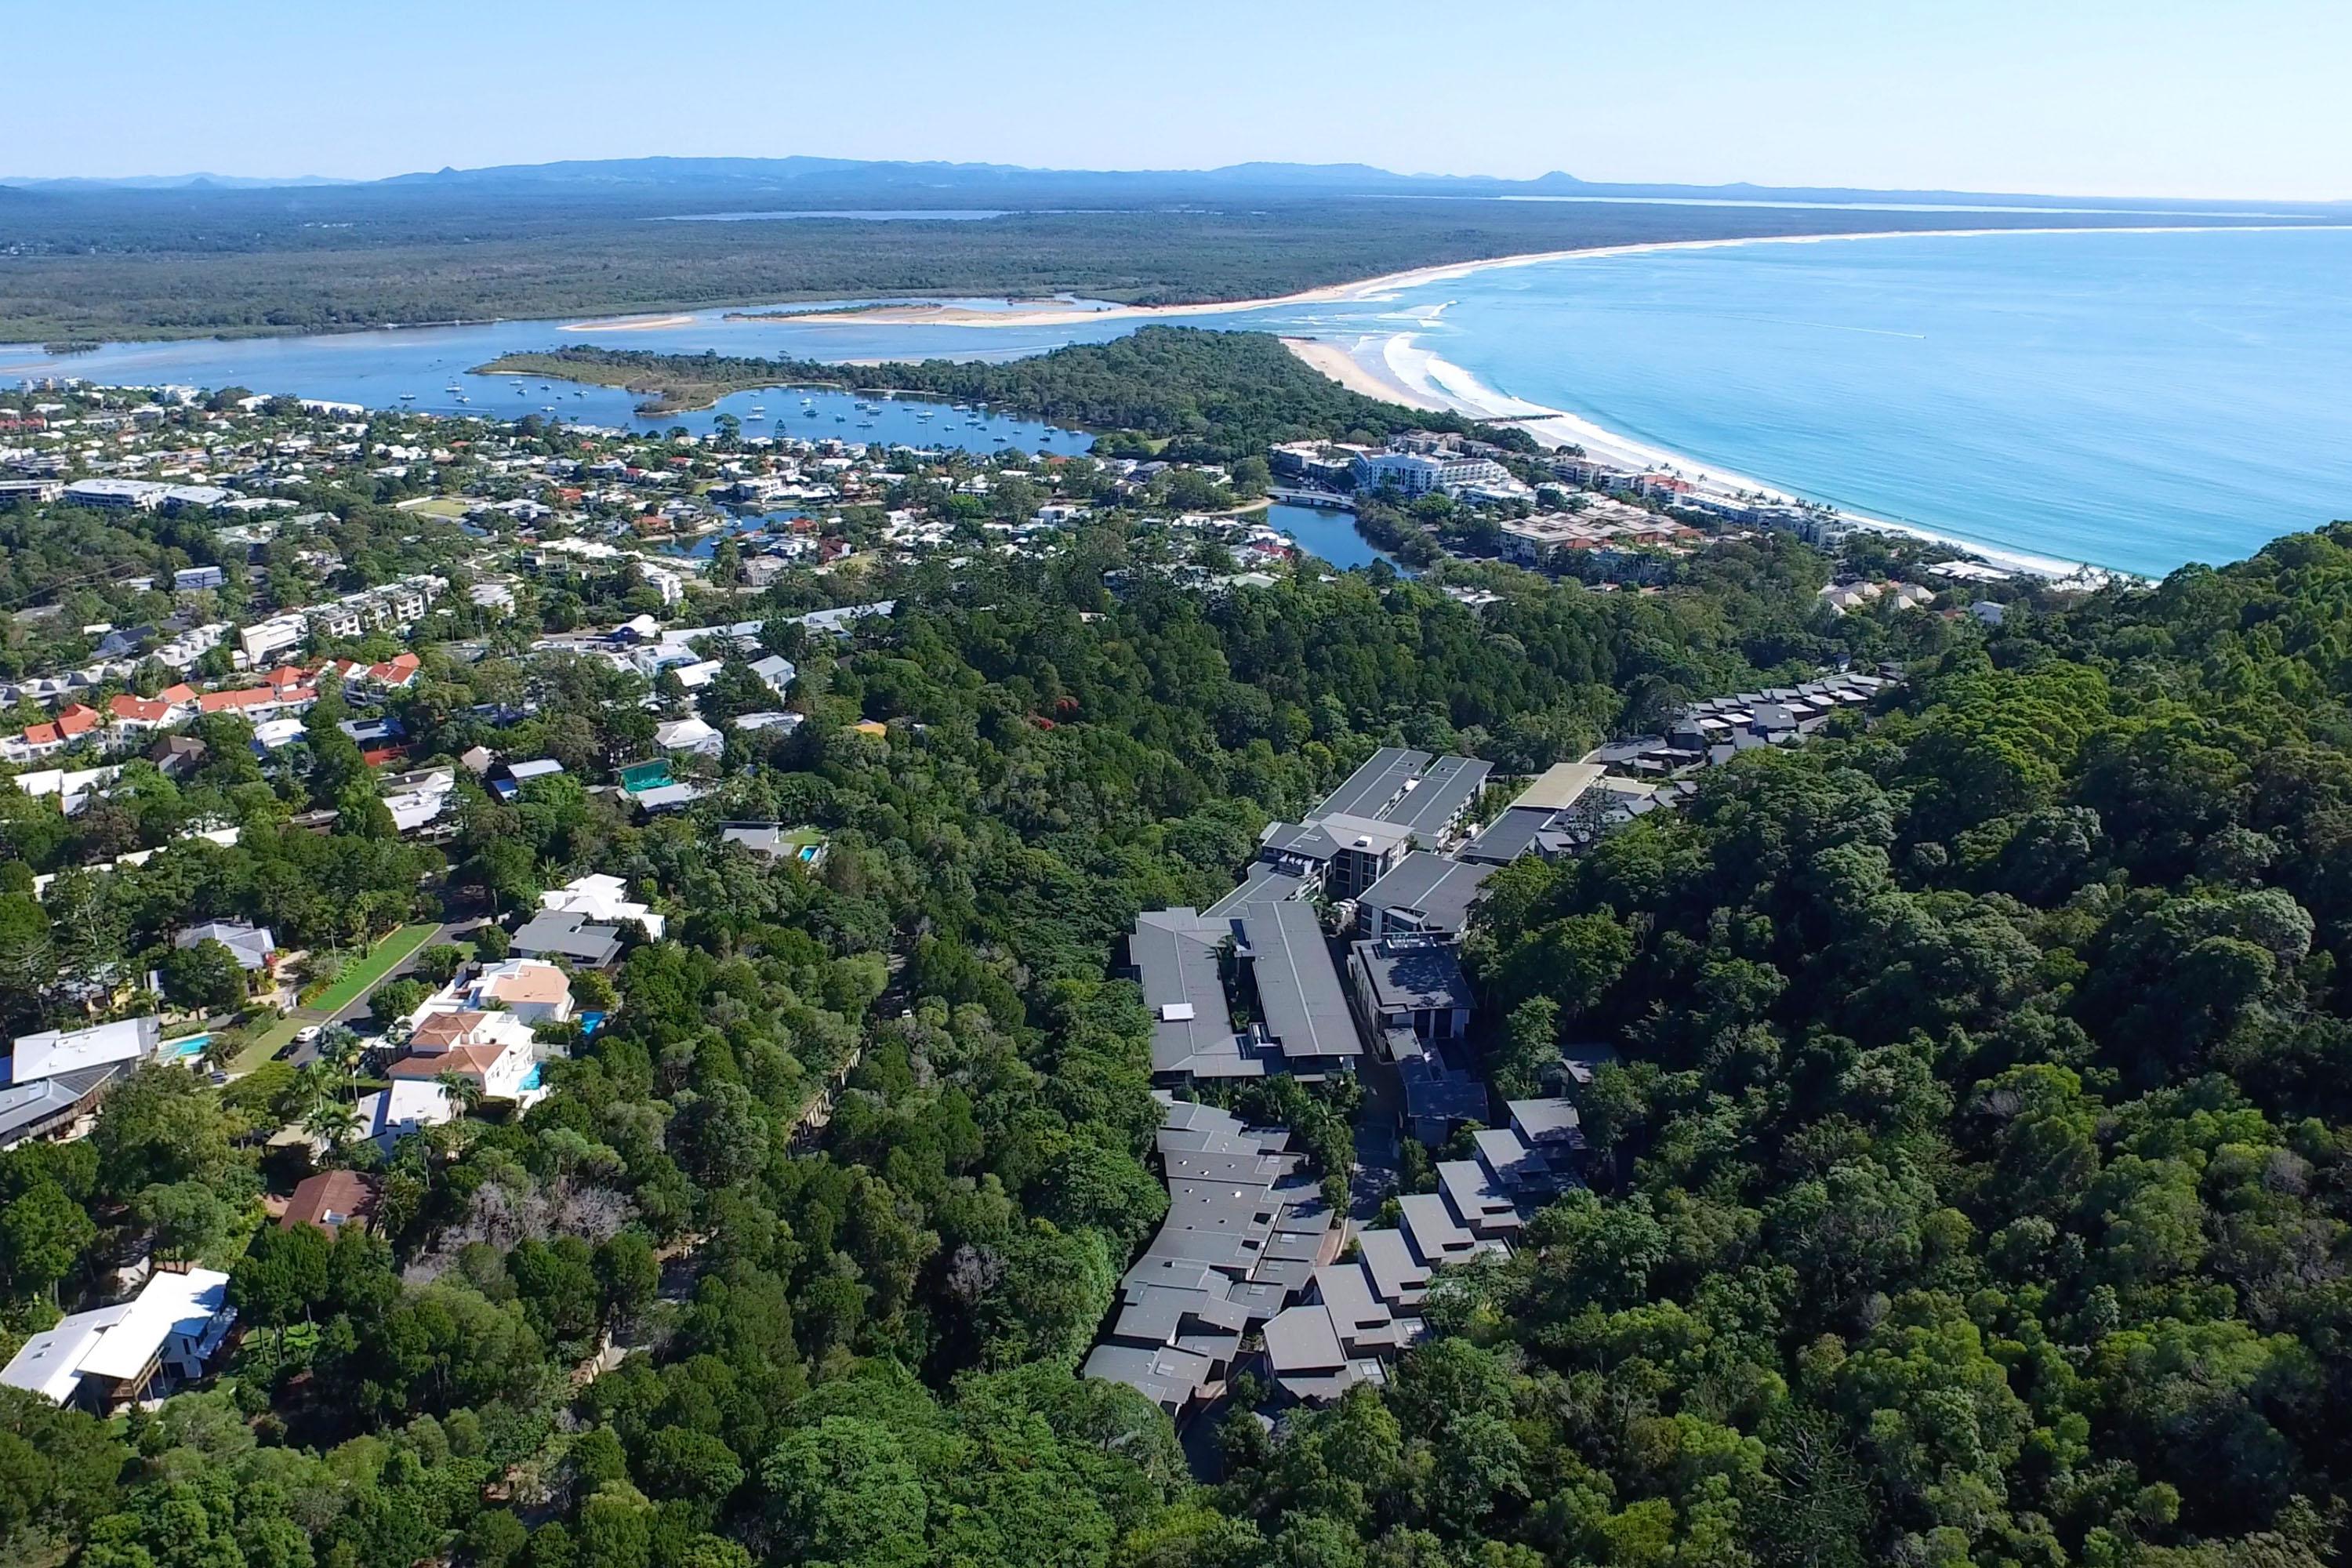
x=2221, y=97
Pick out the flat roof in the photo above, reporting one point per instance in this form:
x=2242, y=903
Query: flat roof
x=1559, y=786
x=1542, y=1120
x=1413, y=975
x=567, y=932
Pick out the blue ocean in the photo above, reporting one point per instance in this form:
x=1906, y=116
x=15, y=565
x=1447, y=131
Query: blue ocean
x=2127, y=400
x=2135, y=401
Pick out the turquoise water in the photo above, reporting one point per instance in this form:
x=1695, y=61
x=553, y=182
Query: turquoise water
x=2128, y=400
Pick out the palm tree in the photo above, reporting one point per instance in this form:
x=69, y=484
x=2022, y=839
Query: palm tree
x=340, y=1048
x=464, y=1092
x=331, y=1124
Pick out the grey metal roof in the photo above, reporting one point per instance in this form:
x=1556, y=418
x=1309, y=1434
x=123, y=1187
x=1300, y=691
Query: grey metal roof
x=1369, y=789
x=1437, y=1233
x=1298, y=987
x=1438, y=797
x=1546, y=1121
x=1166, y=1375
x=1301, y=1340
x=1509, y=836
x=1429, y=890
x=1262, y=883
x=1175, y=954
x=1399, y=1277
x=568, y=935
x=30, y=1109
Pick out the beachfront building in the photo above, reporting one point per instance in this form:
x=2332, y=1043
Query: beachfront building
x=1414, y=474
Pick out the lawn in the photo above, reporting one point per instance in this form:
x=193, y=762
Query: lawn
x=363, y=972
x=446, y=507
x=266, y=1043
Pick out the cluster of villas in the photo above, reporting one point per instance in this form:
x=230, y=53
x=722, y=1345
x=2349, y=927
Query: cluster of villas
x=277, y=697
x=1252, y=985
x=1393, y=860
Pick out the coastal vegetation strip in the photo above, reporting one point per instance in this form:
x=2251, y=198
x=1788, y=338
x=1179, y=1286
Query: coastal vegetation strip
x=1228, y=393
x=100, y=268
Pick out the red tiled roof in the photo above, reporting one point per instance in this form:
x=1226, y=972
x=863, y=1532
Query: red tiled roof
x=177, y=694
x=474, y=1061
x=235, y=702
x=78, y=719
x=41, y=735
x=140, y=709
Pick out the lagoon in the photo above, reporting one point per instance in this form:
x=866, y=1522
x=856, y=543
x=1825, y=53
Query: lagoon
x=1330, y=535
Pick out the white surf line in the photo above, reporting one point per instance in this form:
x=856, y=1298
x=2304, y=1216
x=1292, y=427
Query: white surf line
x=1439, y=382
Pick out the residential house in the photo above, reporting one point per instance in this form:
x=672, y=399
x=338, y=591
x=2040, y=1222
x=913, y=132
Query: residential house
x=567, y=934
x=331, y=1200
x=534, y=991
x=603, y=897
x=254, y=950
x=105, y=1360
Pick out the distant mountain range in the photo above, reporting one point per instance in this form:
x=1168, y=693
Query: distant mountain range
x=175, y=182
x=855, y=181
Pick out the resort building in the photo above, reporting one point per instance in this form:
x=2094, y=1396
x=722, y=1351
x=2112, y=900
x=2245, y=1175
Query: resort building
x=1241, y=994
x=1246, y=1233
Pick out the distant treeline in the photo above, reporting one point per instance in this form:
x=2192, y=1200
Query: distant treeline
x=164, y=264
x=1210, y=395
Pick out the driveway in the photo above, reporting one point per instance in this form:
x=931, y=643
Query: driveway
x=357, y=1008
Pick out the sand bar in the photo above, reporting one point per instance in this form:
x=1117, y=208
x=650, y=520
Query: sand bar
x=629, y=324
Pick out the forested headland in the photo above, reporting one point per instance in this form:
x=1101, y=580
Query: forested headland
x=1218, y=396
x=1972, y=1185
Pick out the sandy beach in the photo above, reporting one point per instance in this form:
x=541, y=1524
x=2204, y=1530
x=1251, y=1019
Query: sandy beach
x=1060, y=315
x=1393, y=368
x=629, y=324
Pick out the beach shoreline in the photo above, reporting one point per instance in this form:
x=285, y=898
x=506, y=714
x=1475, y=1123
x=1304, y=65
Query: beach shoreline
x=919, y=315
x=1392, y=368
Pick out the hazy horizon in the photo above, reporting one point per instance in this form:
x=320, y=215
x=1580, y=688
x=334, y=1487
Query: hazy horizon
x=166, y=178
x=2162, y=101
